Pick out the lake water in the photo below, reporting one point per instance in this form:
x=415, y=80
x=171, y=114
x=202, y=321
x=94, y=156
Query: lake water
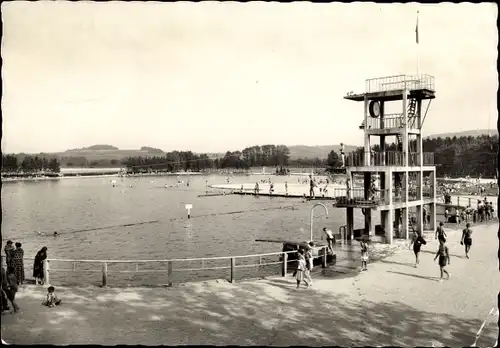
x=69, y=206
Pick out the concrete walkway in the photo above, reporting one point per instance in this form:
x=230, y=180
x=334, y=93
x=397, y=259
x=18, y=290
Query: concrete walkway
x=393, y=303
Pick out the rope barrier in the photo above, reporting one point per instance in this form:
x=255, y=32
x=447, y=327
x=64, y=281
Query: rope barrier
x=292, y=207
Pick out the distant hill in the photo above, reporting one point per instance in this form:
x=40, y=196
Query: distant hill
x=472, y=133
x=96, y=148
x=97, y=152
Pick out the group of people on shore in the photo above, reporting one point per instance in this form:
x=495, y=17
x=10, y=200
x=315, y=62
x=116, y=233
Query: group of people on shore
x=483, y=213
x=13, y=277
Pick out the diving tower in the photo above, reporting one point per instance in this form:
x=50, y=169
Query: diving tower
x=396, y=177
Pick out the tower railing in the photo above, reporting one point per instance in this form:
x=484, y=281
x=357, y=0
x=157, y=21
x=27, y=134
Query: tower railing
x=388, y=122
x=356, y=195
x=388, y=158
x=399, y=82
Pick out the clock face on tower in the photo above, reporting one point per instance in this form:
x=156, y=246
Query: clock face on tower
x=374, y=108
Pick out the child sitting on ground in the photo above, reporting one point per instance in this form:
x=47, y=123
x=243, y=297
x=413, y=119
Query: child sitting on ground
x=52, y=299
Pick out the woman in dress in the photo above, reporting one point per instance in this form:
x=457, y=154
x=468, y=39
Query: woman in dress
x=309, y=263
x=38, y=265
x=301, y=268
x=18, y=263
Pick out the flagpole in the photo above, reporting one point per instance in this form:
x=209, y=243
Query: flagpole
x=418, y=50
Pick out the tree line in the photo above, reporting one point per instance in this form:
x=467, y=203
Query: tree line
x=266, y=155
x=457, y=156
x=29, y=164
x=453, y=157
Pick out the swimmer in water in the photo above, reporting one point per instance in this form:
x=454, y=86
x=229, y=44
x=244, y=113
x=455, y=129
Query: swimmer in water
x=55, y=234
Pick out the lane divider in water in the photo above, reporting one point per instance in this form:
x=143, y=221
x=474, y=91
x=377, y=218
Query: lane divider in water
x=290, y=207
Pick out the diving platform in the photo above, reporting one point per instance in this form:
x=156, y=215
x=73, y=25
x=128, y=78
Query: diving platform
x=392, y=88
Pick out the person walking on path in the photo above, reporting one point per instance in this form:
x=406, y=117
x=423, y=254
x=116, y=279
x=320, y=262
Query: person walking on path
x=12, y=288
x=301, y=267
x=8, y=249
x=467, y=239
x=444, y=258
x=417, y=242
x=309, y=263
x=364, y=254
x=18, y=263
x=38, y=265
x=4, y=286
x=440, y=234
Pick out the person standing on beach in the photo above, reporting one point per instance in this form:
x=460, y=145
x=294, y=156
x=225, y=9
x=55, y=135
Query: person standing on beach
x=440, y=234
x=364, y=254
x=311, y=187
x=329, y=238
x=309, y=263
x=18, y=263
x=8, y=249
x=444, y=258
x=286, y=188
x=38, y=265
x=301, y=267
x=467, y=239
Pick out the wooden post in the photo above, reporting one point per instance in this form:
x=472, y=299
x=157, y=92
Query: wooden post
x=233, y=264
x=104, y=274
x=325, y=254
x=169, y=272
x=284, y=269
x=46, y=277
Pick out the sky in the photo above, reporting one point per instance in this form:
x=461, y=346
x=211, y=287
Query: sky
x=217, y=76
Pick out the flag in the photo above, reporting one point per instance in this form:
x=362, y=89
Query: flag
x=416, y=30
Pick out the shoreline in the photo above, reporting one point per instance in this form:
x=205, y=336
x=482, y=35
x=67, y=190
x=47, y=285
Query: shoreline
x=83, y=176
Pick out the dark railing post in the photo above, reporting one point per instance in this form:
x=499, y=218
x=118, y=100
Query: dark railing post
x=284, y=269
x=104, y=274
x=325, y=254
x=169, y=272
x=233, y=274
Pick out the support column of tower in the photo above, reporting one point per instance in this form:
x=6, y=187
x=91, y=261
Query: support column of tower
x=366, y=158
x=350, y=223
x=367, y=211
x=432, y=206
x=387, y=215
x=420, y=161
x=406, y=156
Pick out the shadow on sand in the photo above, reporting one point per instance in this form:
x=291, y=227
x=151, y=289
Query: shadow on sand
x=266, y=312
